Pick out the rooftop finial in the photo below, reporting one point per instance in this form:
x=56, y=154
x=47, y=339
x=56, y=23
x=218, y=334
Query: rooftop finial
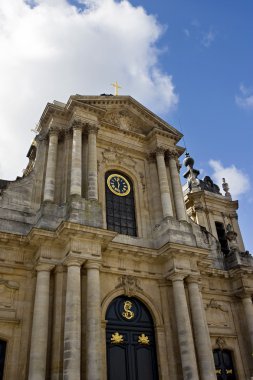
x=116, y=86
x=226, y=188
x=191, y=174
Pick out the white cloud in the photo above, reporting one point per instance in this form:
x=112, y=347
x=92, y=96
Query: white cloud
x=245, y=99
x=237, y=180
x=208, y=38
x=51, y=50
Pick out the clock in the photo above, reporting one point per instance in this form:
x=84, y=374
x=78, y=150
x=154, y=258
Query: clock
x=118, y=185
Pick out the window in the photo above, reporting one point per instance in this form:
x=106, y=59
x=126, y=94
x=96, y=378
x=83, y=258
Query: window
x=222, y=237
x=120, y=207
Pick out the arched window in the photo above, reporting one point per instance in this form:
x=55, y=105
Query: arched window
x=2, y=358
x=120, y=208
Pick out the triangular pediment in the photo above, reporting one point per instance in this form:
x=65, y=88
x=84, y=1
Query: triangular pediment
x=122, y=112
x=125, y=113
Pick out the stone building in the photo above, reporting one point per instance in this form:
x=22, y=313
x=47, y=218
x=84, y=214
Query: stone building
x=108, y=269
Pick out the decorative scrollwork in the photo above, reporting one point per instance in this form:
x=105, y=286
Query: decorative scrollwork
x=143, y=339
x=128, y=313
x=117, y=338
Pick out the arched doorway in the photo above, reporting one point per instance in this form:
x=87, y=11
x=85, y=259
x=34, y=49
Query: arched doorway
x=224, y=364
x=130, y=341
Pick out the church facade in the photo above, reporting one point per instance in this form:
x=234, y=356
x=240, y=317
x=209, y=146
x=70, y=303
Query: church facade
x=108, y=268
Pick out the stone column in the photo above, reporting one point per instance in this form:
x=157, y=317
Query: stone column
x=51, y=166
x=248, y=311
x=92, y=163
x=58, y=324
x=76, y=163
x=38, y=351
x=154, y=186
x=164, y=185
x=93, y=322
x=184, y=331
x=200, y=330
x=72, y=328
x=176, y=186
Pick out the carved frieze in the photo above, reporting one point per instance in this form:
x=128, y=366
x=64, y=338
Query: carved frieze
x=123, y=120
x=112, y=155
x=218, y=314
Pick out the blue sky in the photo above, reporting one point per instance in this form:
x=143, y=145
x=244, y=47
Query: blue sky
x=189, y=61
x=207, y=48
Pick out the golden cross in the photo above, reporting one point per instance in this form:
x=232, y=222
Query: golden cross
x=116, y=86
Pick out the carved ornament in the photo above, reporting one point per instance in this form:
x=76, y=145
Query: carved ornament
x=130, y=284
x=143, y=339
x=123, y=120
x=117, y=338
x=220, y=341
x=215, y=305
x=7, y=291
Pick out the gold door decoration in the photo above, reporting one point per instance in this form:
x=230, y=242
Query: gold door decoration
x=143, y=339
x=117, y=338
x=128, y=313
x=218, y=371
x=229, y=371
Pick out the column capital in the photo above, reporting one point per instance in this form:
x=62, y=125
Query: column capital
x=72, y=261
x=92, y=264
x=246, y=295
x=192, y=279
x=92, y=129
x=53, y=131
x=160, y=151
x=44, y=267
x=177, y=277
x=172, y=154
x=77, y=125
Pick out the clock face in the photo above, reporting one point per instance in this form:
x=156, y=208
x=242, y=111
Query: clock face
x=118, y=185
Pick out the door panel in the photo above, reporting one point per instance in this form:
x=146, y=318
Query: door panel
x=130, y=340
x=224, y=365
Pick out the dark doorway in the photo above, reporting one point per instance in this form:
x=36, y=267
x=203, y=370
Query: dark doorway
x=2, y=358
x=120, y=208
x=224, y=365
x=130, y=341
